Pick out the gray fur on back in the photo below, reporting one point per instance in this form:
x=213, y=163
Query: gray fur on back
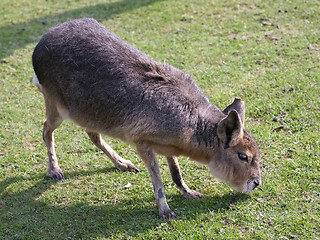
x=107, y=84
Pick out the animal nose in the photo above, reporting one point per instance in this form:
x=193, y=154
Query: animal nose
x=256, y=183
x=253, y=183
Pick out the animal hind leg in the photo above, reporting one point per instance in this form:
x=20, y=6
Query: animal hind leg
x=53, y=121
x=118, y=161
x=178, y=180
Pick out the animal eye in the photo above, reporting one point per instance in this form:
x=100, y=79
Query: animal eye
x=243, y=157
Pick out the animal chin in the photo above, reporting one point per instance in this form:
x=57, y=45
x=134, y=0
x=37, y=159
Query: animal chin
x=240, y=187
x=249, y=188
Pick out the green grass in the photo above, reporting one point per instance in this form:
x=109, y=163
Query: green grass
x=266, y=52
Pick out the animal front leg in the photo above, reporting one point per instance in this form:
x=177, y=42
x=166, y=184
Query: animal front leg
x=149, y=159
x=178, y=180
x=118, y=161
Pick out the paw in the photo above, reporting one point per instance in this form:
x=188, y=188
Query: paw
x=192, y=194
x=126, y=165
x=167, y=214
x=56, y=174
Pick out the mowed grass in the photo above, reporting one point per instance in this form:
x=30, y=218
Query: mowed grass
x=266, y=52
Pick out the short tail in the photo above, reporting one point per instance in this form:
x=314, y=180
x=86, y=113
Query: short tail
x=35, y=80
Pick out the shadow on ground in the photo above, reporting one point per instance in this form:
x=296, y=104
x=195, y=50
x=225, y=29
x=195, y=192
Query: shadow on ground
x=24, y=216
x=15, y=36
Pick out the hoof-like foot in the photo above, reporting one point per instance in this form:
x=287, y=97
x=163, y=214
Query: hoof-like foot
x=192, y=194
x=56, y=175
x=126, y=165
x=167, y=214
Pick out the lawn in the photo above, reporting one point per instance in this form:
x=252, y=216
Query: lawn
x=266, y=52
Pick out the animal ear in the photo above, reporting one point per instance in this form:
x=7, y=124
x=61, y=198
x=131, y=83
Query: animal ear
x=237, y=105
x=230, y=129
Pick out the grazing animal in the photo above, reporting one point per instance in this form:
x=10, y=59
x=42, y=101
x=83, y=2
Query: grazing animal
x=89, y=75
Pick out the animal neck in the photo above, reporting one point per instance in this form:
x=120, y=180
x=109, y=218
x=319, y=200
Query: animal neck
x=205, y=133
x=204, y=140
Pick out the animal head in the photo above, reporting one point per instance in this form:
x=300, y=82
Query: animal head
x=236, y=160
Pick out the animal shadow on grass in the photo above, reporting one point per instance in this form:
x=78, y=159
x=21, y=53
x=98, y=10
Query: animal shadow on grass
x=25, y=216
x=15, y=36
